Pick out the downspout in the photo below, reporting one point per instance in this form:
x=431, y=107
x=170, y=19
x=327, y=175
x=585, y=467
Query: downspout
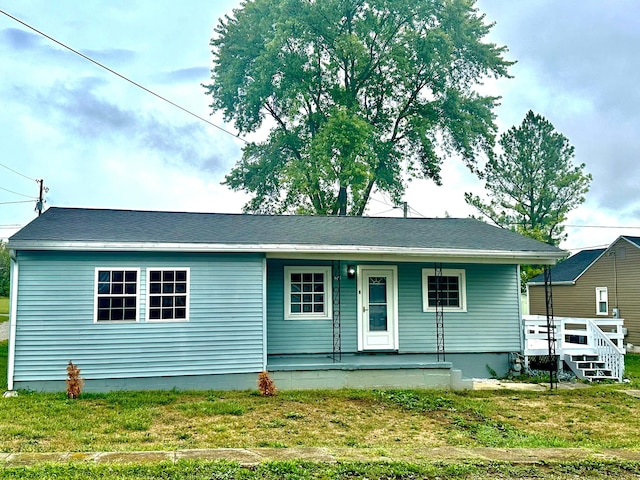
x=615, y=277
x=520, y=319
x=264, y=313
x=13, y=310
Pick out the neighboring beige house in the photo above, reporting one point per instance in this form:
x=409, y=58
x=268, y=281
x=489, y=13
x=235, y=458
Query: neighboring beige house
x=596, y=283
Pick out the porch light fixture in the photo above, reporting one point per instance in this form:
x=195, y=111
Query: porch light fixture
x=351, y=271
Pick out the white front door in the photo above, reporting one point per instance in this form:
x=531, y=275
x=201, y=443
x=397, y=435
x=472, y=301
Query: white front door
x=377, y=308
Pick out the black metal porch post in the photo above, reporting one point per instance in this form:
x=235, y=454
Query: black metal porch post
x=551, y=329
x=439, y=313
x=337, y=327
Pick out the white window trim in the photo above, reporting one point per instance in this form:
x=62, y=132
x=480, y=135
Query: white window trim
x=446, y=272
x=96, y=296
x=605, y=290
x=148, y=293
x=328, y=301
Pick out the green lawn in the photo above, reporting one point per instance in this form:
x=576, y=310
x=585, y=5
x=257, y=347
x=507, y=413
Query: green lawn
x=372, y=420
x=292, y=470
x=4, y=308
x=378, y=423
x=4, y=351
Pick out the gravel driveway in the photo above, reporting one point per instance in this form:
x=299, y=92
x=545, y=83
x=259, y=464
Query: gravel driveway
x=4, y=331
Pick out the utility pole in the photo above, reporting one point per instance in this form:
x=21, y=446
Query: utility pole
x=405, y=209
x=40, y=202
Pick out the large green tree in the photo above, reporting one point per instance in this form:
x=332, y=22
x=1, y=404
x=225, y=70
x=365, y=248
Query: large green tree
x=356, y=95
x=4, y=269
x=533, y=183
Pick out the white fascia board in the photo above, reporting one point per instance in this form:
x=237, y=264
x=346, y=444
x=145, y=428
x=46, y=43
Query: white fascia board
x=347, y=252
x=408, y=255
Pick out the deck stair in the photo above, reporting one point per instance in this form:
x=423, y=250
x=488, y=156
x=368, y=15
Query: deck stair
x=589, y=367
x=592, y=348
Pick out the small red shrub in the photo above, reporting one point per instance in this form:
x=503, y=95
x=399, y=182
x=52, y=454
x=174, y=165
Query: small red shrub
x=74, y=382
x=266, y=385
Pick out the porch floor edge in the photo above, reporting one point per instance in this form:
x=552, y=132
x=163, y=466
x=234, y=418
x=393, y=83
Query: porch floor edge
x=352, y=362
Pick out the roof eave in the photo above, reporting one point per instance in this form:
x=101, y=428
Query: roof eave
x=300, y=250
x=536, y=284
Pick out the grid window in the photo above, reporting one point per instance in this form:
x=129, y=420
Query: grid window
x=307, y=294
x=168, y=295
x=116, y=295
x=449, y=289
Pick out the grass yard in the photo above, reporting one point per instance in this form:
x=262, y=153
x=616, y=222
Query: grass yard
x=4, y=353
x=4, y=309
x=375, y=421
x=200, y=470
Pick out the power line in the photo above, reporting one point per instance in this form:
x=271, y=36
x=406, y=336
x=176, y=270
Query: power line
x=599, y=226
x=12, y=170
x=16, y=193
x=123, y=77
x=380, y=201
x=383, y=212
x=21, y=201
x=414, y=210
x=593, y=247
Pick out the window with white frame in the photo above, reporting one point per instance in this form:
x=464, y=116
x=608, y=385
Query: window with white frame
x=450, y=289
x=602, y=301
x=116, y=295
x=307, y=293
x=167, y=294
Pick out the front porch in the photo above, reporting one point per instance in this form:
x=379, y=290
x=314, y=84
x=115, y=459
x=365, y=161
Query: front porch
x=365, y=370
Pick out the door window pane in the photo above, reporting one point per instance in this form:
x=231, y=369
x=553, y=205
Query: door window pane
x=377, y=290
x=378, y=318
x=378, y=304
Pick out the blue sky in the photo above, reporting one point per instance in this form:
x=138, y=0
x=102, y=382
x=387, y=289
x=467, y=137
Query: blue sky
x=98, y=141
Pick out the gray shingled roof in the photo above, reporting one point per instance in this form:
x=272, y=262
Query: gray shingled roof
x=571, y=268
x=75, y=225
x=634, y=240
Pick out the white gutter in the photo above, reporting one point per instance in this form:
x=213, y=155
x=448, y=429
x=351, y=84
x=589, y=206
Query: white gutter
x=13, y=307
x=304, y=250
x=535, y=284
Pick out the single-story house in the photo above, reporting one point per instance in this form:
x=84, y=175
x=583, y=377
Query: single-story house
x=155, y=300
x=596, y=283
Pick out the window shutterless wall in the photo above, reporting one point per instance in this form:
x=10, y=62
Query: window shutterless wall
x=223, y=335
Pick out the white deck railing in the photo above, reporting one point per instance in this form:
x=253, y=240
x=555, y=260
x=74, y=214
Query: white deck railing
x=578, y=336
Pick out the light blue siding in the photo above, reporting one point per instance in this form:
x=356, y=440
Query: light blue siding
x=55, y=318
x=491, y=323
x=306, y=336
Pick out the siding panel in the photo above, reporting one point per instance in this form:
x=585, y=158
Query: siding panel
x=55, y=318
x=579, y=300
